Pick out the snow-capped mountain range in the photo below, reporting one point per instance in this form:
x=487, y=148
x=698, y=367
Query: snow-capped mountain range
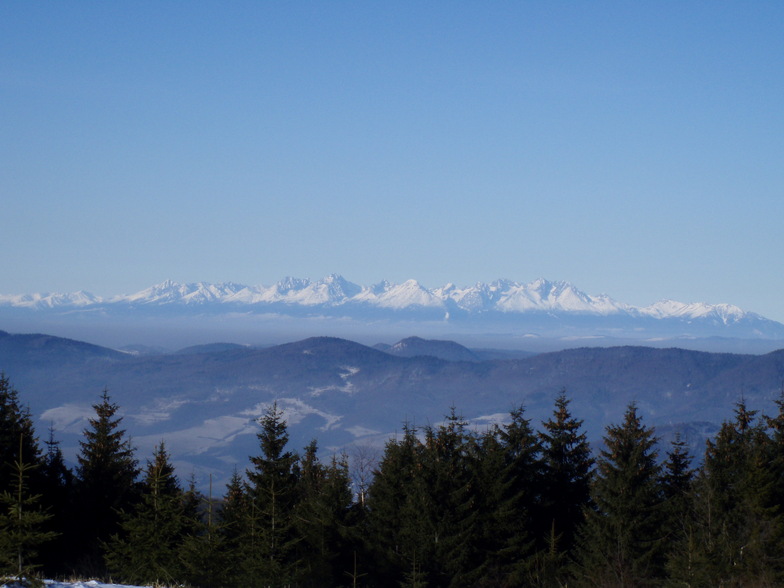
x=334, y=291
x=539, y=306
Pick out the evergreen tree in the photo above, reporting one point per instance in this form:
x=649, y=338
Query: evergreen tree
x=16, y=422
x=520, y=498
x=322, y=518
x=495, y=516
x=445, y=468
x=567, y=465
x=775, y=426
x=676, y=484
x=202, y=553
x=272, y=492
x=57, y=494
x=737, y=538
x=22, y=521
x=237, y=537
x=677, y=490
x=622, y=541
x=147, y=549
x=391, y=497
x=106, y=484
x=421, y=506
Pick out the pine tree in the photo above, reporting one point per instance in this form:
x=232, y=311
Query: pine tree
x=237, y=535
x=147, y=548
x=22, y=523
x=202, y=553
x=775, y=426
x=567, y=465
x=16, y=422
x=57, y=494
x=738, y=528
x=677, y=490
x=391, y=497
x=622, y=541
x=520, y=498
x=106, y=484
x=676, y=484
x=446, y=461
x=272, y=492
x=497, y=519
x=322, y=518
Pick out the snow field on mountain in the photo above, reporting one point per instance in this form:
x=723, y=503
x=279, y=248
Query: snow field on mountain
x=501, y=296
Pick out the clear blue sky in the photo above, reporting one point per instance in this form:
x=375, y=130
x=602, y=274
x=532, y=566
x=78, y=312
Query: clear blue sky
x=631, y=148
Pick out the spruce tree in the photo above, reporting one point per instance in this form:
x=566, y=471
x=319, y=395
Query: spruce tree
x=520, y=499
x=449, y=479
x=106, y=484
x=677, y=490
x=58, y=494
x=22, y=523
x=147, y=548
x=494, y=521
x=322, y=518
x=567, y=465
x=676, y=481
x=622, y=541
x=272, y=491
x=738, y=527
x=204, y=560
x=237, y=537
x=15, y=423
x=391, y=498
x=775, y=427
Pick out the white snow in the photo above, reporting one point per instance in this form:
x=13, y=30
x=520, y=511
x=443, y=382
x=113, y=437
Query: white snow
x=294, y=411
x=206, y=436
x=68, y=418
x=501, y=295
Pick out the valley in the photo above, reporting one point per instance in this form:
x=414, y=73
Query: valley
x=204, y=401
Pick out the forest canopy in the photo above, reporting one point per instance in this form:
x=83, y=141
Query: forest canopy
x=445, y=505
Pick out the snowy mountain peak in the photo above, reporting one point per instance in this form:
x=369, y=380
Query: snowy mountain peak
x=288, y=284
x=725, y=313
x=333, y=295
x=339, y=288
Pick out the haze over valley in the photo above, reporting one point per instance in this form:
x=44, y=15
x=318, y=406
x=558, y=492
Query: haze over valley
x=204, y=401
x=534, y=316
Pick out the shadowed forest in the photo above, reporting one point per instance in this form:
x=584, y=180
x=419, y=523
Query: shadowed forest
x=446, y=505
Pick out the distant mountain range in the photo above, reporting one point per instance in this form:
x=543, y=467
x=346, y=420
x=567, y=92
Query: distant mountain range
x=540, y=308
x=204, y=401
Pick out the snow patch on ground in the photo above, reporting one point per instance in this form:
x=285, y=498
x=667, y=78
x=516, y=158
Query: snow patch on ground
x=160, y=410
x=294, y=411
x=212, y=433
x=485, y=421
x=68, y=418
x=346, y=388
x=359, y=431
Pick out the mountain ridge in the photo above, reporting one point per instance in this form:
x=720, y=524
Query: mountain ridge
x=539, y=308
x=205, y=402
x=334, y=290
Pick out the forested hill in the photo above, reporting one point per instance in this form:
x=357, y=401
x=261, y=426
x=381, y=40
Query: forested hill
x=205, y=402
x=441, y=505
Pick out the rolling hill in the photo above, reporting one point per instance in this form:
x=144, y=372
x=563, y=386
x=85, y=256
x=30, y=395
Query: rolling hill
x=204, y=402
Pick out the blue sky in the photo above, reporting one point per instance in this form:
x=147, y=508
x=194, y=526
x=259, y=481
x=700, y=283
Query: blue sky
x=635, y=149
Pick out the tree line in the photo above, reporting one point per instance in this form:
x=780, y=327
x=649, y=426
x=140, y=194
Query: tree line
x=447, y=505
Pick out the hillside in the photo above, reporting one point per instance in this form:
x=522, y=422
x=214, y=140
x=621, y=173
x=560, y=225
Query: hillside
x=204, y=402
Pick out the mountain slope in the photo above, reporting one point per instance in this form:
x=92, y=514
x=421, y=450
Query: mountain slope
x=414, y=346
x=205, y=404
